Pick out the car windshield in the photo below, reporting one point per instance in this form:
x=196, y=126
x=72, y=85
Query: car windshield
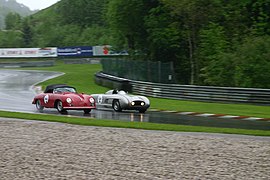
x=64, y=89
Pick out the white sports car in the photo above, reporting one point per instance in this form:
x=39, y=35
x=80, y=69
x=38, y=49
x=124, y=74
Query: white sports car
x=120, y=100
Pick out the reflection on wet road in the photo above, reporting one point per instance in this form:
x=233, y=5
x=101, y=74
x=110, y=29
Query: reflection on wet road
x=16, y=94
x=168, y=118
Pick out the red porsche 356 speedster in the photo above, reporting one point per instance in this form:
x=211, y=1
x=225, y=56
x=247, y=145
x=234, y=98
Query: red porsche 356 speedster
x=63, y=98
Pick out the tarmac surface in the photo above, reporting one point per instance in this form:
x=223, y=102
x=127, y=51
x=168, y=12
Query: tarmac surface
x=17, y=92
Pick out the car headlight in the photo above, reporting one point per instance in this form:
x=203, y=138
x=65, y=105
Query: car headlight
x=92, y=100
x=132, y=103
x=142, y=103
x=69, y=100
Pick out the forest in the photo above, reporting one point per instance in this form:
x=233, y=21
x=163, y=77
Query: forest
x=210, y=42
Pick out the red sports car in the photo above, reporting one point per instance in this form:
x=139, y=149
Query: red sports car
x=63, y=98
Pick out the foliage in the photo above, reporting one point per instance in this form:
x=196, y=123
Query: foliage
x=211, y=50
x=247, y=66
x=252, y=62
x=191, y=16
x=27, y=33
x=11, y=39
x=95, y=35
x=12, y=21
x=82, y=12
x=259, y=15
x=203, y=39
x=71, y=23
x=125, y=17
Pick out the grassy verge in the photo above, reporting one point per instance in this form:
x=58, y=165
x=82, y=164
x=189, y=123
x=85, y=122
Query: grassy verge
x=134, y=125
x=215, y=108
x=82, y=77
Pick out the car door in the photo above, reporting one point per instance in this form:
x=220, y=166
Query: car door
x=105, y=100
x=49, y=99
x=102, y=99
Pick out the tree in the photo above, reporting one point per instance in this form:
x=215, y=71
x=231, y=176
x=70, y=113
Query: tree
x=259, y=15
x=126, y=19
x=191, y=17
x=252, y=60
x=246, y=66
x=12, y=21
x=27, y=33
x=11, y=39
x=95, y=35
x=82, y=12
x=211, y=48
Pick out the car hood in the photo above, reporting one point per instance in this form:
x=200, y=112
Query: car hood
x=75, y=96
x=133, y=98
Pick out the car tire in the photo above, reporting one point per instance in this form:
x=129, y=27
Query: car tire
x=59, y=107
x=116, y=106
x=39, y=106
x=87, y=111
x=142, y=110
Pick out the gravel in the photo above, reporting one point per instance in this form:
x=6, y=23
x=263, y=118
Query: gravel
x=44, y=150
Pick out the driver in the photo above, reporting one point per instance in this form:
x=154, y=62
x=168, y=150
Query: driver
x=115, y=91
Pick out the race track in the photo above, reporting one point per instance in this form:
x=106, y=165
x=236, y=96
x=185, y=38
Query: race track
x=16, y=91
x=16, y=94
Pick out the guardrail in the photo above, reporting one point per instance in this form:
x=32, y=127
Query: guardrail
x=187, y=92
x=203, y=93
x=81, y=61
x=112, y=82
x=27, y=64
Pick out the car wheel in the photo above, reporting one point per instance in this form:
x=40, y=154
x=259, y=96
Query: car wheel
x=39, y=106
x=116, y=106
x=87, y=111
x=142, y=110
x=59, y=107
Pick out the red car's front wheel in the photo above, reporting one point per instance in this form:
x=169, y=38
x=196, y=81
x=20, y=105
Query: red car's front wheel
x=87, y=111
x=59, y=107
x=39, y=106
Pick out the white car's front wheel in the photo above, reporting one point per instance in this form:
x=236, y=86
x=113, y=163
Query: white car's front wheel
x=116, y=106
x=142, y=110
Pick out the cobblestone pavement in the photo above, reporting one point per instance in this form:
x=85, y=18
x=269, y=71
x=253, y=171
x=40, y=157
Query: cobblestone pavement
x=43, y=150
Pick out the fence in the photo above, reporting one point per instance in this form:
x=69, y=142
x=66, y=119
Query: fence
x=190, y=92
x=27, y=64
x=140, y=70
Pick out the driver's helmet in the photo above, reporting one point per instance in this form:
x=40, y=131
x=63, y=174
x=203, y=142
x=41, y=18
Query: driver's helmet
x=115, y=91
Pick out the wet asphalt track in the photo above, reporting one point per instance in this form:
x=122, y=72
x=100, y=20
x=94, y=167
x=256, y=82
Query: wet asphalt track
x=16, y=94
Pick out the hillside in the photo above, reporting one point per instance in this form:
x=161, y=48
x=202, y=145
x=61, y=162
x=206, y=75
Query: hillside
x=7, y=6
x=211, y=43
x=70, y=23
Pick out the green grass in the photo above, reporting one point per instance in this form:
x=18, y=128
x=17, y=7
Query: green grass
x=82, y=77
x=77, y=75
x=215, y=108
x=134, y=125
